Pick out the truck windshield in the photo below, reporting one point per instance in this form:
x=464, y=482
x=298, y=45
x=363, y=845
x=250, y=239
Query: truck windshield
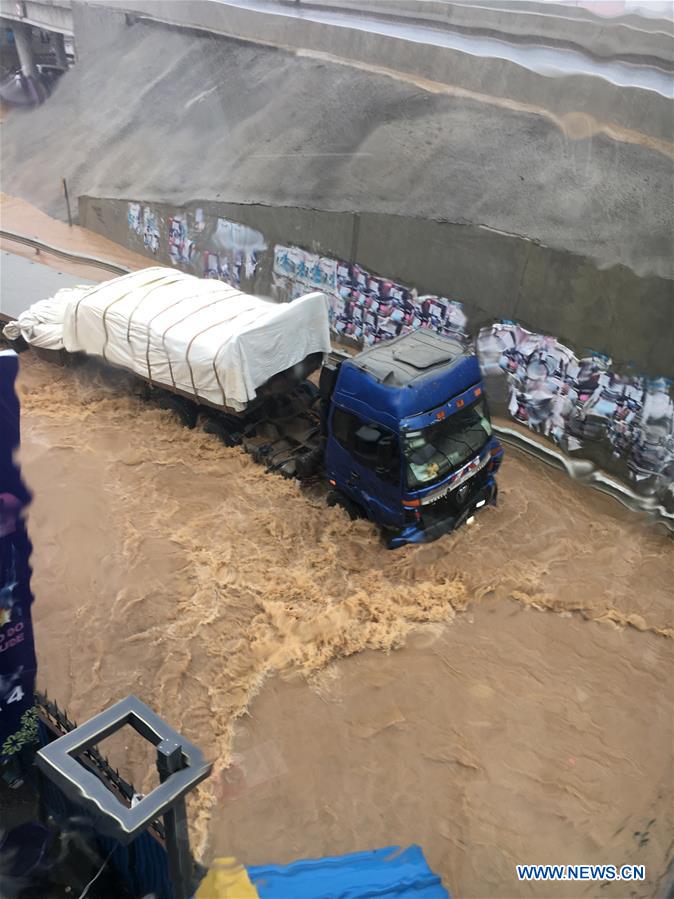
x=432, y=452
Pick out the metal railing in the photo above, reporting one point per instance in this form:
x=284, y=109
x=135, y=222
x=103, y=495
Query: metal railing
x=69, y=255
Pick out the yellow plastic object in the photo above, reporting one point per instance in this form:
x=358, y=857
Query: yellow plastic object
x=227, y=879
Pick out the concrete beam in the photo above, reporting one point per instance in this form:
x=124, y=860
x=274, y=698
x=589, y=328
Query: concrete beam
x=49, y=15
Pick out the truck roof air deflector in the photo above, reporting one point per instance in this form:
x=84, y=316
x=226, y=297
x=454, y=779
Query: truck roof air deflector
x=422, y=356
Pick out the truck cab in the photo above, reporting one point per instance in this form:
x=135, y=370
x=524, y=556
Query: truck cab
x=408, y=436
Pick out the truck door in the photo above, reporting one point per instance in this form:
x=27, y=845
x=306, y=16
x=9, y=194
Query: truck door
x=364, y=459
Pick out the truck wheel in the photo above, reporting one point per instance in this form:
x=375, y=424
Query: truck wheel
x=354, y=511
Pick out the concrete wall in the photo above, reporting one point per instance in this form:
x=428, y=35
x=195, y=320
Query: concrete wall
x=635, y=109
x=551, y=27
x=95, y=27
x=496, y=276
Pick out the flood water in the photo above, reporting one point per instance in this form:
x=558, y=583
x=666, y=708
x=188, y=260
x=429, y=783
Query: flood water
x=527, y=718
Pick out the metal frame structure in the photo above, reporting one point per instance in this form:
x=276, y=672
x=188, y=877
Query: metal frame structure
x=181, y=766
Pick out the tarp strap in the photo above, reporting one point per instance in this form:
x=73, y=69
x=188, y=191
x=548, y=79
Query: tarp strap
x=149, y=330
x=229, y=292
x=95, y=290
x=167, y=282
x=179, y=322
x=215, y=367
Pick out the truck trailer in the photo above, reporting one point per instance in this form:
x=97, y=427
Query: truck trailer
x=401, y=431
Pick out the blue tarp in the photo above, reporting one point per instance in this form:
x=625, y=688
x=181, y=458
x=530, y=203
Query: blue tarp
x=385, y=872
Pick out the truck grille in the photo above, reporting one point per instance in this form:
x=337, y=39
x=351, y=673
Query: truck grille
x=453, y=503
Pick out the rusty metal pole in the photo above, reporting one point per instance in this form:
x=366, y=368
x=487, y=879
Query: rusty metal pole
x=65, y=191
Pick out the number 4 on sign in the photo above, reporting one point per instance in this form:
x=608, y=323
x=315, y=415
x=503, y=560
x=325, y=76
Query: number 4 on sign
x=16, y=695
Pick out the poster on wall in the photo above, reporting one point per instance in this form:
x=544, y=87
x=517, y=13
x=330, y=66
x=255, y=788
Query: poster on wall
x=150, y=230
x=18, y=723
x=181, y=247
x=232, y=253
x=580, y=402
x=133, y=218
x=285, y=290
x=230, y=267
x=288, y=261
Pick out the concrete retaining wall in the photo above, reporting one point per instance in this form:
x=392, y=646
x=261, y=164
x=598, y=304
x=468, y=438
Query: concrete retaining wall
x=618, y=40
x=634, y=109
x=495, y=275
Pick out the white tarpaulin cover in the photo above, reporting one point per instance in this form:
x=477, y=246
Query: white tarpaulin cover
x=42, y=323
x=198, y=336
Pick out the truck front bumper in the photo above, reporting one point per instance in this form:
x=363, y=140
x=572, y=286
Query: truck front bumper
x=426, y=532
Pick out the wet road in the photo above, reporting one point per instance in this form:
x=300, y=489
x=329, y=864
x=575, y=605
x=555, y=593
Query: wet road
x=24, y=282
x=548, y=61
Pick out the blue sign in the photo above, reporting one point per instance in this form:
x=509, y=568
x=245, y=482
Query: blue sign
x=18, y=723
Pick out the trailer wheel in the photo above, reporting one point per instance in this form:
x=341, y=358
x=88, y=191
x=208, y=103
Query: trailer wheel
x=353, y=509
x=308, y=463
x=219, y=430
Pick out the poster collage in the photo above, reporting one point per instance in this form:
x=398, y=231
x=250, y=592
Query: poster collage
x=573, y=401
x=580, y=401
x=229, y=251
x=364, y=307
x=144, y=222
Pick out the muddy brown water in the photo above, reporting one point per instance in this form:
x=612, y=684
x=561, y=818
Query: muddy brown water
x=526, y=718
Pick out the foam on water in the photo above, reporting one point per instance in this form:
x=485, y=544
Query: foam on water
x=170, y=566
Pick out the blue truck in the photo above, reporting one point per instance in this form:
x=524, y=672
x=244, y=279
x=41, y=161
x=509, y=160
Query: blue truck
x=407, y=436
x=401, y=430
